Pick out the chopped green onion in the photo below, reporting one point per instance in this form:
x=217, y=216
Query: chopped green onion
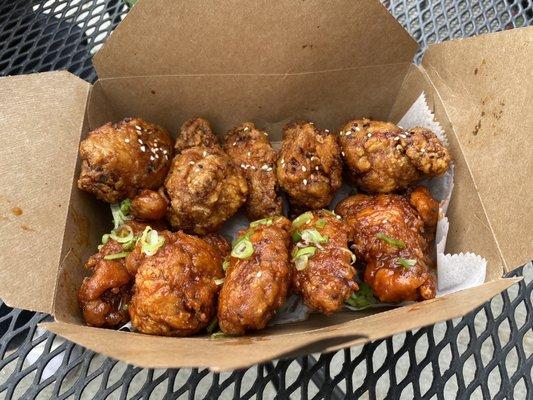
x=129, y=246
x=302, y=219
x=121, y=212
x=243, y=248
x=264, y=221
x=116, y=256
x=117, y=236
x=211, y=327
x=219, y=334
x=313, y=236
x=225, y=264
x=219, y=282
x=125, y=206
x=321, y=223
x=296, y=236
x=406, y=262
x=305, y=251
x=151, y=241
x=246, y=235
x=393, y=242
x=100, y=247
x=362, y=298
x=105, y=238
x=352, y=255
x=301, y=263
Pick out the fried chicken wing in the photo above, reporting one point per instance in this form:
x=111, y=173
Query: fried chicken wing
x=149, y=205
x=250, y=148
x=196, y=132
x=383, y=158
x=205, y=189
x=323, y=274
x=258, y=277
x=119, y=159
x=388, y=236
x=175, y=289
x=309, y=166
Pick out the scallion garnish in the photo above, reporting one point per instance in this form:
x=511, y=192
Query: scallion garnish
x=118, y=234
x=225, y=264
x=219, y=334
x=296, y=236
x=393, y=242
x=105, y=238
x=243, y=248
x=406, y=262
x=321, y=223
x=211, y=327
x=302, y=219
x=121, y=212
x=219, y=282
x=116, y=256
x=151, y=241
x=362, y=298
x=301, y=257
x=313, y=236
x=264, y=221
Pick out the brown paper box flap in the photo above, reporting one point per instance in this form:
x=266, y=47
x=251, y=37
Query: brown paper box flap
x=166, y=37
x=486, y=87
x=232, y=353
x=41, y=118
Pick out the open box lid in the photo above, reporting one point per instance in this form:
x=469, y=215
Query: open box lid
x=168, y=37
x=486, y=87
x=41, y=120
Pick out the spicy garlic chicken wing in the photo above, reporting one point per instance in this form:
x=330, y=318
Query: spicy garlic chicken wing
x=250, y=149
x=257, y=277
x=309, y=166
x=175, y=290
x=119, y=159
x=382, y=157
x=388, y=236
x=323, y=274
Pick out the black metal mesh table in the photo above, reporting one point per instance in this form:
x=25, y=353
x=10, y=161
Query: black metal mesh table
x=486, y=354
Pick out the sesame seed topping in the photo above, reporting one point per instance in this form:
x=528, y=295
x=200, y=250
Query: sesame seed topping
x=157, y=156
x=348, y=133
x=253, y=167
x=137, y=127
x=369, y=135
x=305, y=182
x=341, y=133
x=385, y=221
x=140, y=141
x=303, y=168
x=396, y=138
x=152, y=158
x=264, y=133
x=403, y=136
x=191, y=162
x=249, y=154
x=204, y=153
x=246, y=129
x=264, y=167
x=357, y=129
x=326, y=130
x=269, y=169
x=399, y=147
x=259, y=274
x=422, y=150
x=166, y=157
x=235, y=143
x=282, y=161
x=127, y=140
x=317, y=168
x=165, y=151
x=143, y=148
x=343, y=154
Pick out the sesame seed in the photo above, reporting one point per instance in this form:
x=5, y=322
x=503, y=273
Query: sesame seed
x=326, y=130
x=137, y=127
x=422, y=150
x=264, y=167
x=399, y=147
x=235, y=143
x=396, y=138
x=348, y=133
x=369, y=135
x=140, y=141
x=343, y=154
x=244, y=166
x=204, y=153
x=311, y=123
x=127, y=140
x=249, y=154
x=264, y=133
x=401, y=127
x=191, y=162
x=252, y=167
x=357, y=129
x=259, y=274
x=385, y=221
x=153, y=149
x=341, y=133
x=157, y=156
x=166, y=157
x=403, y=136
x=165, y=151
x=152, y=158
x=317, y=168
x=246, y=129
x=305, y=182
x=303, y=168
x=282, y=161
x=143, y=148
x=269, y=169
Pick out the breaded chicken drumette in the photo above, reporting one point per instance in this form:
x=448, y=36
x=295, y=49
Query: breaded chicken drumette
x=105, y=294
x=309, y=166
x=323, y=274
x=250, y=149
x=205, y=189
x=382, y=157
x=119, y=159
x=175, y=290
x=257, y=278
x=389, y=239
x=149, y=205
x=195, y=132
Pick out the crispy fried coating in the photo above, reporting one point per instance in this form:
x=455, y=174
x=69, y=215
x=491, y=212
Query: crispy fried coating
x=119, y=159
x=250, y=149
x=327, y=280
x=149, y=205
x=256, y=287
x=383, y=158
x=175, y=289
x=219, y=243
x=387, y=231
x=105, y=294
x=195, y=132
x=309, y=166
x=205, y=189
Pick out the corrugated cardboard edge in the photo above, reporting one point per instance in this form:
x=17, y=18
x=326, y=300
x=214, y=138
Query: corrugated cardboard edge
x=486, y=87
x=40, y=123
x=234, y=353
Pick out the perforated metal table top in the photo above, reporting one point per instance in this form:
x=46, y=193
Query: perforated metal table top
x=486, y=354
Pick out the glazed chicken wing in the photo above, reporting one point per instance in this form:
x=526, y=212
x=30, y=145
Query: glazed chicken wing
x=388, y=236
x=258, y=277
x=309, y=166
x=250, y=149
x=382, y=158
x=149, y=205
x=323, y=274
x=119, y=159
x=175, y=289
x=196, y=132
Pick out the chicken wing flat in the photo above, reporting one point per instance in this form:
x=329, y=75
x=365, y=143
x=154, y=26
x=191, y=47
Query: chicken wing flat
x=383, y=158
x=309, y=166
x=257, y=278
x=323, y=274
x=205, y=189
x=389, y=237
x=250, y=149
x=119, y=159
x=175, y=290
x=195, y=132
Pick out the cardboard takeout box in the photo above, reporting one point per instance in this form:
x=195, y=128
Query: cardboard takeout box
x=266, y=62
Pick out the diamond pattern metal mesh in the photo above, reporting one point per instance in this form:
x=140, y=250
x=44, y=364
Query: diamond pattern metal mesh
x=486, y=354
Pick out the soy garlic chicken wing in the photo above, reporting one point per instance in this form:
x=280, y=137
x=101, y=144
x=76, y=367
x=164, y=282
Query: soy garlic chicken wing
x=257, y=278
x=383, y=158
x=105, y=294
x=175, y=289
x=205, y=189
x=250, y=149
x=323, y=274
x=194, y=133
x=309, y=166
x=149, y=205
x=119, y=159
x=388, y=236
